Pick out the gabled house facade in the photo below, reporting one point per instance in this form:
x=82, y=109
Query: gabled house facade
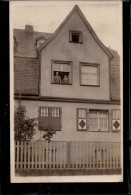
x=69, y=80
x=88, y=102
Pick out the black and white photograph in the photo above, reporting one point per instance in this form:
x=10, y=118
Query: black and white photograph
x=66, y=91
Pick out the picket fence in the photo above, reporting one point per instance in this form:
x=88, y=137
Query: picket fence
x=67, y=155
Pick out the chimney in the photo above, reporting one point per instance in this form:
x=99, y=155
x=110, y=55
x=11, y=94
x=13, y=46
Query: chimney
x=29, y=28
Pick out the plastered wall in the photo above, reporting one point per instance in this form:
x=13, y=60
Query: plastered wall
x=61, y=49
x=69, y=130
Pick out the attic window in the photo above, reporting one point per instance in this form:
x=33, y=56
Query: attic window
x=75, y=36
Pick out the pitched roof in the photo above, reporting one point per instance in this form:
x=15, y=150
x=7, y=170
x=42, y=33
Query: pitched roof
x=77, y=9
x=26, y=42
x=115, y=76
x=26, y=76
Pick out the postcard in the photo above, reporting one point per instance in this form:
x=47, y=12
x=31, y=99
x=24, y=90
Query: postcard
x=66, y=91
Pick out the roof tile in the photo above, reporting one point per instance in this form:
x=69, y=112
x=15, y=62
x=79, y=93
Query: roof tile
x=26, y=76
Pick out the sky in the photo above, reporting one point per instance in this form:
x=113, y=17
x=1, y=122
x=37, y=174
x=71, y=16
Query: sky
x=105, y=17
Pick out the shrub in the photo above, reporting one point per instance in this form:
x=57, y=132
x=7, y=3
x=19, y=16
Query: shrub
x=24, y=126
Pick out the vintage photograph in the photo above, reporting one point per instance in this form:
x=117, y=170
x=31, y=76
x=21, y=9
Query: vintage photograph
x=66, y=91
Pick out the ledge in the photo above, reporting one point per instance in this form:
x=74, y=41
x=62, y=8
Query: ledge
x=62, y=99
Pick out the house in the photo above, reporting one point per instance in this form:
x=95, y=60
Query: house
x=69, y=80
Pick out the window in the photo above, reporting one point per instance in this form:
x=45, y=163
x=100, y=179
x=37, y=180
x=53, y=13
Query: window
x=98, y=120
x=75, y=37
x=92, y=120
x=40, y=40
x=81, y=119
x=89, y=74
x=116, y=120
x=61, y=72
x=49, y=116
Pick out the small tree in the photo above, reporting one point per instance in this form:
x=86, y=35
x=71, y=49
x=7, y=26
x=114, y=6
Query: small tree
x=24, y=126
x=48, y=133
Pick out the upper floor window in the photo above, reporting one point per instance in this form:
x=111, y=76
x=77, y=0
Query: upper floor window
x=49, y=116
x=89, y=74
x=61, y=72
x=75, y=36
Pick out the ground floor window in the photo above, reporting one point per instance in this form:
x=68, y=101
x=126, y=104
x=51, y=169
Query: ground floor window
x=98, y=120
x=49, y=116
x=87, y=119
x=92, y=120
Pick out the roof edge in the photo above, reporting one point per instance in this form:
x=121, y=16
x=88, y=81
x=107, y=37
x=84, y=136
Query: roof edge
x=76, y=8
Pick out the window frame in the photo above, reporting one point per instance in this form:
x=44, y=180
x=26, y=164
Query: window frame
x=98, y=73
x=97, y=110
x=88, y=118
x=76, y=32
x=50, y=107
x=62, y=62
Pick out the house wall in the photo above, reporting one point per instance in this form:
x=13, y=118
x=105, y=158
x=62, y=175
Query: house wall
x=69, y=130
x=61, y=49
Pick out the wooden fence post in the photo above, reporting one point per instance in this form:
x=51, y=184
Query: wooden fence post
x=68, y=154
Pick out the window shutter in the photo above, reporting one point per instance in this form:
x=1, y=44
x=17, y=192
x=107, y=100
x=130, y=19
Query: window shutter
x=82, y=119
x=87, y=119
x=81, y=37
x=70, y=36
x=116, y=123
x=70, y=74
x=55, y=120
x=110, y=120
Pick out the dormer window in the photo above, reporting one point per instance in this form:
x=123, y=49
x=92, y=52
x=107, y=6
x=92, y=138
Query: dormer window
x=75, y=37
x=40, y=40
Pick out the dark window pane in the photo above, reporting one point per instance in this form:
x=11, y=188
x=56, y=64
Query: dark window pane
x=75, y=38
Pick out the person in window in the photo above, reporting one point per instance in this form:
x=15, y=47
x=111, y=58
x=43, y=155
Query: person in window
x=57, y=78
x=65, y=80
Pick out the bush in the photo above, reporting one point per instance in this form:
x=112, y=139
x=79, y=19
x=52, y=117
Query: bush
x=48, y=133
x=24, y=126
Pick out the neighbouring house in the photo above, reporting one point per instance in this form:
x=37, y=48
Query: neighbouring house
x=70, y=80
